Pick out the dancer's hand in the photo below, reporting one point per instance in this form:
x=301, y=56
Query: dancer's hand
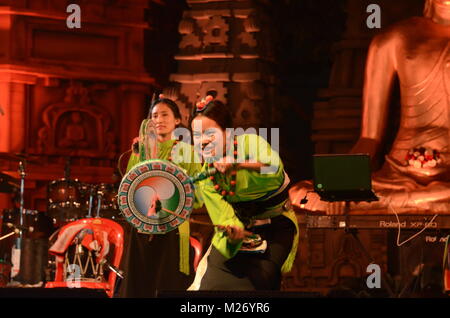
x=234, y=233
x=135, y=145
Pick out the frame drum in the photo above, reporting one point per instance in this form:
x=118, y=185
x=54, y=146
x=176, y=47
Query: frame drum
x=148, y=189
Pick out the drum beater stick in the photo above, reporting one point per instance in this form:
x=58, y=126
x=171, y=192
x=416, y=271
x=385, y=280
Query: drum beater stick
x=187, y=219
x=221, y=227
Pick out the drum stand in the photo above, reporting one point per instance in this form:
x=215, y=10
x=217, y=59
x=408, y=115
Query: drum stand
x=91, y=202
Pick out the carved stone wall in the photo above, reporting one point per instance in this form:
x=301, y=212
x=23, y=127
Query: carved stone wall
x=225, y=49
x=76, y=93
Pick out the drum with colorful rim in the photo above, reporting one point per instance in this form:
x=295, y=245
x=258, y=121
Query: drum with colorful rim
x=149, y=189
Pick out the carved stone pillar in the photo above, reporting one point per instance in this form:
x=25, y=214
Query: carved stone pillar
x=133, y=113
x=12, y=116
x=225, y=47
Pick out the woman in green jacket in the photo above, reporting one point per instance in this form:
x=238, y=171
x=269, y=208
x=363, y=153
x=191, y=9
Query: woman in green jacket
x=155, y=263
x=257, y=234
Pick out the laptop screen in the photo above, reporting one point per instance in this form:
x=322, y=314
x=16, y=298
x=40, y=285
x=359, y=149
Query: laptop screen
x=342, y=172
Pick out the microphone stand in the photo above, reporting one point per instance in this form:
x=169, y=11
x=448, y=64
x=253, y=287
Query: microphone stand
x=16, y=250
x=22, y=191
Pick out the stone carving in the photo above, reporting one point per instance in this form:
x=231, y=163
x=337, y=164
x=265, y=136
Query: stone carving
x=73, y=127
x=216, y=31
x=187, y=28
x=75, y=134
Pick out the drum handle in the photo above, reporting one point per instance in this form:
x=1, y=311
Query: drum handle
x=120, y=162
x=186, y=219
x=221, y=227
x=203, y=175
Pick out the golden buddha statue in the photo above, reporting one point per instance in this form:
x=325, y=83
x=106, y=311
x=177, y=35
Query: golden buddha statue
x=416, y=172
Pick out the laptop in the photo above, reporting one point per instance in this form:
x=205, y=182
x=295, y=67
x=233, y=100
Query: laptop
x=343, y=177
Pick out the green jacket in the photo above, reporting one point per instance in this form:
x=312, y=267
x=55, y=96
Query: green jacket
x=250, y=185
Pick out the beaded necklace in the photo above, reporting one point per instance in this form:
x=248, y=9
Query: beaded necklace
x=217, y=187
x=172, y=150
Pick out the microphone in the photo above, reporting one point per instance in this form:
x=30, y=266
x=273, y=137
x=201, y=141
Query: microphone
x=20, y=227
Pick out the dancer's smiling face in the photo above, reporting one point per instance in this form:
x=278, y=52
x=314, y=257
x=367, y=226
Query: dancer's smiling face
x=208, y=136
